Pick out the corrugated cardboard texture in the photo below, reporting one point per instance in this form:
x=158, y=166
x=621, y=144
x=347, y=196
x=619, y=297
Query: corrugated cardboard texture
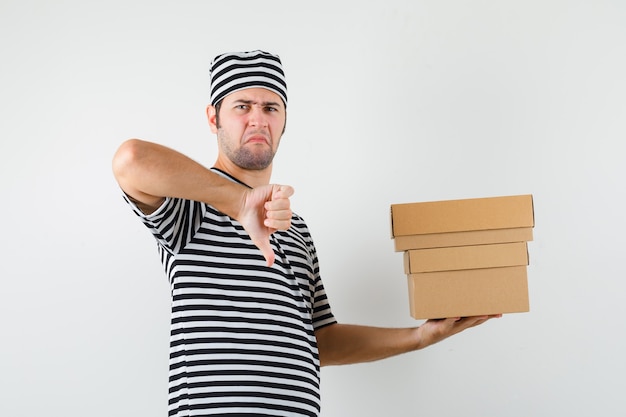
x=466, y=257
x=476, y=237
x=462, y=215
x=468, y=292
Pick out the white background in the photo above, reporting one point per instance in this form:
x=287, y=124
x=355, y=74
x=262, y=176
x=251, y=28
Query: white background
x=390, y=102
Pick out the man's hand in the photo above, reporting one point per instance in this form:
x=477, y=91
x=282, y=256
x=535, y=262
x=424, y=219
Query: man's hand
x=265, y=210
x=434, y=331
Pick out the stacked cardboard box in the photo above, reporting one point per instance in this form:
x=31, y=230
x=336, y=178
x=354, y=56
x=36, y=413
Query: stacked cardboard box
x=465, y=257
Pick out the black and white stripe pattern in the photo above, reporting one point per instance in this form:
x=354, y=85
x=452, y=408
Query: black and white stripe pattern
x=236, y=71
x=242, y=334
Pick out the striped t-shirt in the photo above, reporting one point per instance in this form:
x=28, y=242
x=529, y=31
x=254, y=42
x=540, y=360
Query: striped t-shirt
x=242, y=334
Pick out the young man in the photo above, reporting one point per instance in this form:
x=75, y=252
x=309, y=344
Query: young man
x=251, y=324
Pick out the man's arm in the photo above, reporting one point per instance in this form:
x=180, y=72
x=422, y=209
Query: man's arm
x=342, y=344
x=148, y=172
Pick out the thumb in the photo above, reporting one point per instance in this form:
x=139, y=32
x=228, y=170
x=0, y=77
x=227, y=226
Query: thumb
x=266, y=250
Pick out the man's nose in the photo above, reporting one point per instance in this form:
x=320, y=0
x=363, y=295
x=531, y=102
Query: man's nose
x=257, y=117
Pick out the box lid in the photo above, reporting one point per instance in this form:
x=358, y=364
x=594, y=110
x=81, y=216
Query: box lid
x=487, y=213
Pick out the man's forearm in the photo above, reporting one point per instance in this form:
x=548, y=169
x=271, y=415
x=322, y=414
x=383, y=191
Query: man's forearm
x=342, y=344
x=149, y=172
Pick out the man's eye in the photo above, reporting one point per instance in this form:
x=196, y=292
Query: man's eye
x=271, y=109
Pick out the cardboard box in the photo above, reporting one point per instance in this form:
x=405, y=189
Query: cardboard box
x=476, y=237
x=488, y=213
x=466, y=257
x=471, y=292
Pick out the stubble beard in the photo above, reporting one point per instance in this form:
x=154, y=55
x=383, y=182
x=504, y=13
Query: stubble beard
x=244, y=157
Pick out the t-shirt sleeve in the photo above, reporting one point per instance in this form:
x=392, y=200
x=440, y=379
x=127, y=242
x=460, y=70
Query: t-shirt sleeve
x=174, y=223
x=322, y=313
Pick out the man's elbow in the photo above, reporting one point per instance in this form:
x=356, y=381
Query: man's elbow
x=326, y=345
x=125, y=158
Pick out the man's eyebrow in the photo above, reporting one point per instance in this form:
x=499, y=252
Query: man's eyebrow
x=264, y=104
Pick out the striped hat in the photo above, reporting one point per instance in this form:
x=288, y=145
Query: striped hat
x=234, y=71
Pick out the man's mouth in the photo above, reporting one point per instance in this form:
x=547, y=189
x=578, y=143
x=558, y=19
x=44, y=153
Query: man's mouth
x=257, y=139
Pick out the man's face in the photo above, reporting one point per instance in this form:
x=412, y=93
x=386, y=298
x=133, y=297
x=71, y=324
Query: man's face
x=251, y=122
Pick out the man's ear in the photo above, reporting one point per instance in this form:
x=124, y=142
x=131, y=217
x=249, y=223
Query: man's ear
x=211, y=115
